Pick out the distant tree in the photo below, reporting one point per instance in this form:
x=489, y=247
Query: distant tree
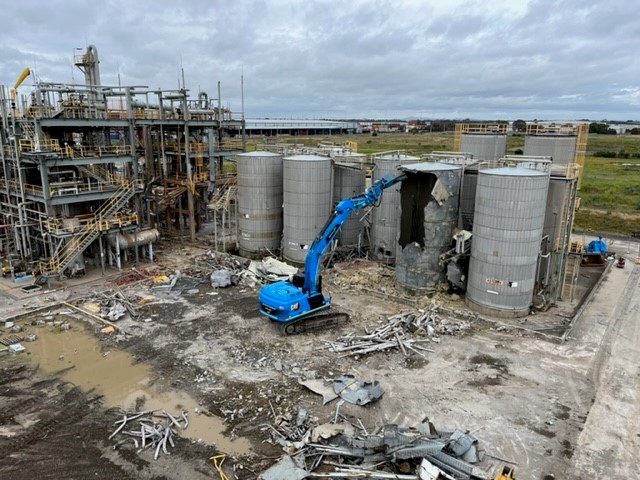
x=635, y=131
x=602, y=128
x=519, y=126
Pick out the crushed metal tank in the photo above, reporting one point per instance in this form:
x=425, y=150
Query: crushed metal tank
x=259, y=202
x=428, y=217
x=386, y=216
x=348, y=181
x=507, y=231
x=307, y=202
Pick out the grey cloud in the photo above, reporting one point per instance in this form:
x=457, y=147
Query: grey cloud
x=402, y=58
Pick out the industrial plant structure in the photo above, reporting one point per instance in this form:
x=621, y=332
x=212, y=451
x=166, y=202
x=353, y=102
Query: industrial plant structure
x=92, y=172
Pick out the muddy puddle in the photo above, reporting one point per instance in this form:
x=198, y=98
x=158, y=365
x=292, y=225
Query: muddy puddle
x=123, y=383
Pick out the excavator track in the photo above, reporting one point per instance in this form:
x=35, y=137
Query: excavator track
x=314, y=322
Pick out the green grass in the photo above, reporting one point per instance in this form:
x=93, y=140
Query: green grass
x=611, y=184
x=610, y=187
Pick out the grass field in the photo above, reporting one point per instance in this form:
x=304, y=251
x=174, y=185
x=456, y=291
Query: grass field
x=610, y=187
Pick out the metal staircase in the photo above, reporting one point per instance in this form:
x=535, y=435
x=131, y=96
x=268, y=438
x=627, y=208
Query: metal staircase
x=102, y=175
x=28, y=131
x=57, y=264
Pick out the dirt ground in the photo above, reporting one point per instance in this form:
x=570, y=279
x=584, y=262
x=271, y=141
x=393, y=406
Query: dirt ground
x=553, y=409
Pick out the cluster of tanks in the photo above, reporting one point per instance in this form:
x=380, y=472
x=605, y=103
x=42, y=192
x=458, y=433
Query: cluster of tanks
x=493, y=226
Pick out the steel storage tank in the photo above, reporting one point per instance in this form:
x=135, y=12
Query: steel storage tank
x=484, y=146
x=561, y=148
x=348, y=181
x=307, y=202
x=428, y=217
x=259, y=202
x=507, y=230
x=386, y=216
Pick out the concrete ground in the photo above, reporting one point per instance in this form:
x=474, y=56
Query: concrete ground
x=553, y=409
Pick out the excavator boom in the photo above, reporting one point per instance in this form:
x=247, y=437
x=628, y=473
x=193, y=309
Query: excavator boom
x=287, y=302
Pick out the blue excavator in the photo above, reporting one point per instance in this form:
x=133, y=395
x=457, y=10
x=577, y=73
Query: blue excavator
x=299, y=305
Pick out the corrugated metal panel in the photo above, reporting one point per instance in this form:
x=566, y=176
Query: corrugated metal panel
x=385, y=217
x=307, y=202
x=259, y=202
x=484, y=146
x=562, y=148
x=468, y=198
x=417, y=265
x=507, y=229
x=349, y=181
x=557, y=214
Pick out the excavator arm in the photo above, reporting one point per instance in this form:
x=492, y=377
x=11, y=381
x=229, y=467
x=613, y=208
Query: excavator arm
x=343, y=210
x=287, y=302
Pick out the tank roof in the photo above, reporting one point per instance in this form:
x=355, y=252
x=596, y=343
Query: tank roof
x=348, y=165
x=396, y=157
x=429, y=167
x=258, y=153
x=307, y=158
x=513, y=172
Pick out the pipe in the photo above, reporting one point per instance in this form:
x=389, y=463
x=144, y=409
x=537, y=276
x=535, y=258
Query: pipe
x=130, y=240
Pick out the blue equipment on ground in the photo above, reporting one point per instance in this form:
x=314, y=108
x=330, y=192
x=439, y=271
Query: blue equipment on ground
x=597, y=246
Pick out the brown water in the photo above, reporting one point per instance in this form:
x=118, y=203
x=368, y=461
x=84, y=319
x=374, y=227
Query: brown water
x=114, y=374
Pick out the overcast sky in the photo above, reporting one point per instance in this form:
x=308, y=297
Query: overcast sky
x=478, y=59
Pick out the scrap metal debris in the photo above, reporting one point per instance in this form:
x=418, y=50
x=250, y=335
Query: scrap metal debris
x=135, y=275
x=346, y=386
x=400, y=332
x=354, y=391
x=149, y=429
x=220, y=278
x=420, y=453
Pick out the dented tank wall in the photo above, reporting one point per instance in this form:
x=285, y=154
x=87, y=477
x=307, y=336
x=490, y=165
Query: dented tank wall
x=429, y=215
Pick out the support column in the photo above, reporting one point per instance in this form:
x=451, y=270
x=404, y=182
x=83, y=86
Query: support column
x=192, y=216
x=101, y=254
x=118, y=262
x=136, y=247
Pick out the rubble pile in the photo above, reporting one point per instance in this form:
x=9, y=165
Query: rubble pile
x=364, y=274
x=222, y=270
x=400, y=332
x=345, y=450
